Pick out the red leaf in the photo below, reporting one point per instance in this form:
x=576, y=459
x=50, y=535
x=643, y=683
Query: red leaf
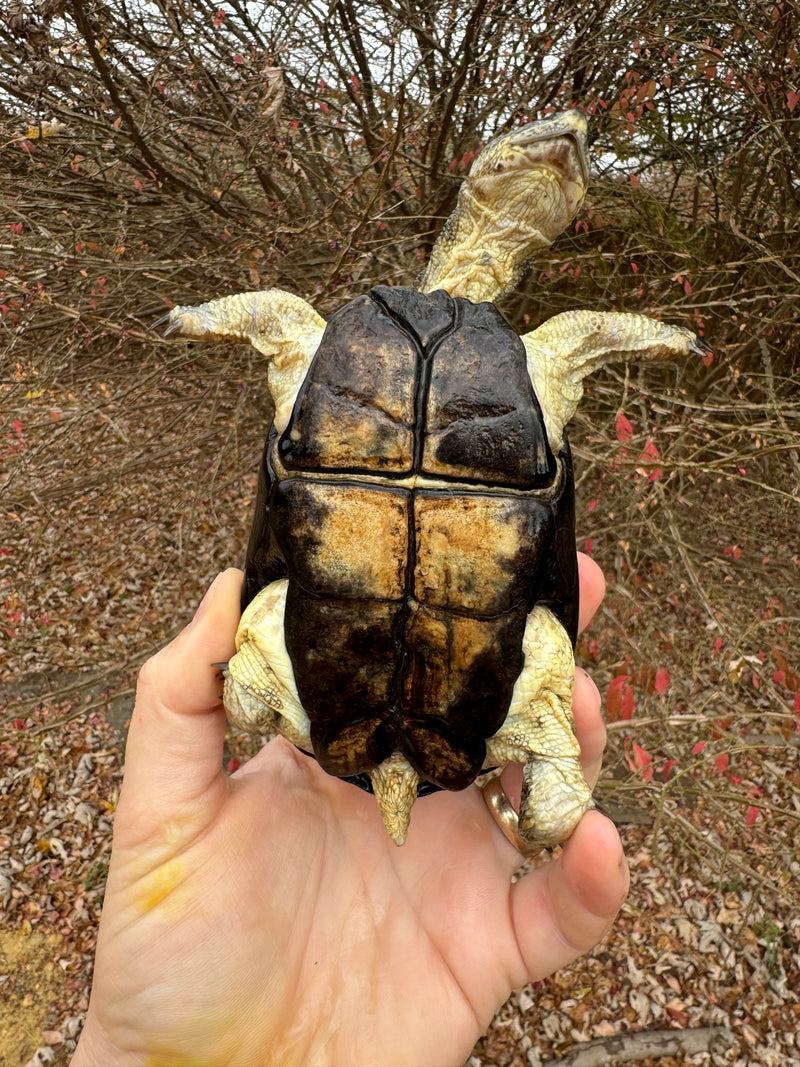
x=620, y=699
x=588, y=545
x=634, y=181
x=751, y=815
x=650, y=455
x=220, y=17
x=698, y=748
x=791, y=99
x=687, y=287
x=721, y=762
x=662, y=681
x=624, y=428
x=668, y=765
x=640, y=760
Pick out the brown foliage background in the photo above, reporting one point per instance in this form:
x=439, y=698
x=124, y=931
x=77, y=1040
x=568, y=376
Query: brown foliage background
x=165, y=152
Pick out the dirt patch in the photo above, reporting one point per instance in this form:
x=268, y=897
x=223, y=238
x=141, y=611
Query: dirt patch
x=31, y=983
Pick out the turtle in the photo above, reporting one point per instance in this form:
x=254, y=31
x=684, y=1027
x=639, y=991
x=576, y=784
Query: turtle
x=410, y=598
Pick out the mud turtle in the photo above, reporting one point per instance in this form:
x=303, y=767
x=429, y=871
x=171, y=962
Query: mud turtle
x=410, y=596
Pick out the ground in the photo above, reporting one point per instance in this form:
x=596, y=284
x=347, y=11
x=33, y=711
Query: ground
x=128, y=483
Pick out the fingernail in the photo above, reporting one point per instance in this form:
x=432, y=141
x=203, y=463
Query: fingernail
x=202, y=607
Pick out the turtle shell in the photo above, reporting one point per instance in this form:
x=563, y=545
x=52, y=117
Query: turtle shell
x=419, y=513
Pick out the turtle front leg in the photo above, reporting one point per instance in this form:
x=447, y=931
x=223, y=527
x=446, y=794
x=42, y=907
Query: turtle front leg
x=539, y=732
x=283, y=327
x=563, y=350
x=260, y=694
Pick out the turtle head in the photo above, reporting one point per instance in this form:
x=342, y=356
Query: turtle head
x=537, y=176
x=522, y=190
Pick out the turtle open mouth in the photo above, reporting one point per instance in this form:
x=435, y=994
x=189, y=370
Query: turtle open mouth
x=570, y=128
x=561, y=136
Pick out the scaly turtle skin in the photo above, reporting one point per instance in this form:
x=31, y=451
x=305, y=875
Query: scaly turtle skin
x=410, y=586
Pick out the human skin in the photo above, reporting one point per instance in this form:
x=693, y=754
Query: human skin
x=266, y=918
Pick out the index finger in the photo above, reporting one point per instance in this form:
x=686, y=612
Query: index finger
x=592, y=589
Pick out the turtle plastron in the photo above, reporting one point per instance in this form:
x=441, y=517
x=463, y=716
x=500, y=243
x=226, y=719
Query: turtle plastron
x=539, y=732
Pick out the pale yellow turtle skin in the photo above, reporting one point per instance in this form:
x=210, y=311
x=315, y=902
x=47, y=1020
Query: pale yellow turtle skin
x=281, y=326
x=522, y=191
x=569, y=346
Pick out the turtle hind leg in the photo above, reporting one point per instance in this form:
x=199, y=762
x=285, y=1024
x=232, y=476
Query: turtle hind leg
x=539, y=732
x=555, y=793
x=260, y=694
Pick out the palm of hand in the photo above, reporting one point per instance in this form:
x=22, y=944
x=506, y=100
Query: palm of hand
x=267, y=918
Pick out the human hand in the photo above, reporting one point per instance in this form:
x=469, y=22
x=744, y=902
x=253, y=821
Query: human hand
x=266, y=917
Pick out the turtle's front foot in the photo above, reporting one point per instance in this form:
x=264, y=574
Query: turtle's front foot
x=555, y=797
x=700, y=347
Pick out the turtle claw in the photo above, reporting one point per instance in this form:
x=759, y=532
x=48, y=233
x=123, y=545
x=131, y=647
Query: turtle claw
x=173, y=324
x=700, y=348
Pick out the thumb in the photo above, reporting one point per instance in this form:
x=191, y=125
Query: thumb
x=173, y=758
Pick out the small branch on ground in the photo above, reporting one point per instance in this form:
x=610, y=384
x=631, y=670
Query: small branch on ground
x=644, y=1044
